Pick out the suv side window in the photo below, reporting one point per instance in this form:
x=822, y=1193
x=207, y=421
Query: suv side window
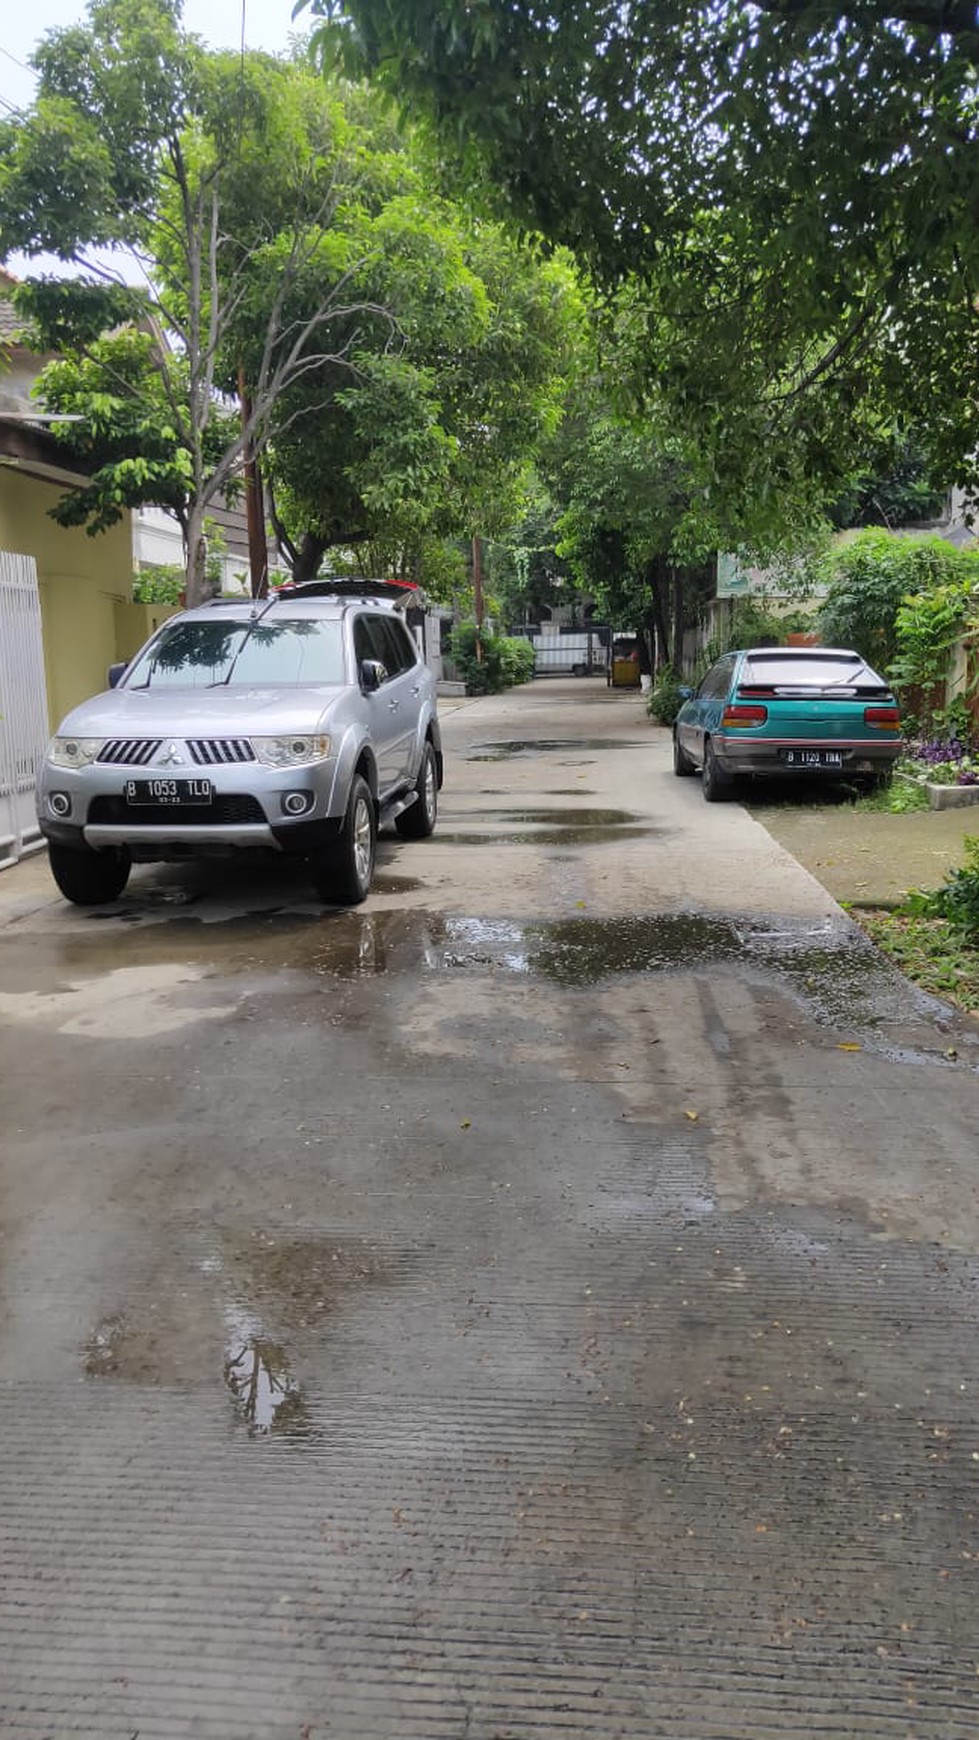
x=401, y=655
x=369, y=643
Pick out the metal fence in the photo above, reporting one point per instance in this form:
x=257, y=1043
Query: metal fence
x=23, y=705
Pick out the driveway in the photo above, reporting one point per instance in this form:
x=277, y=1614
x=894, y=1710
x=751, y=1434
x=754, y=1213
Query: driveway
x=541, y=1302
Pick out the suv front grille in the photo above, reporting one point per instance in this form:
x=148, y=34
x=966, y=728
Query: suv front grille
x=130, y=751
x=208, y=751
x=225, y=809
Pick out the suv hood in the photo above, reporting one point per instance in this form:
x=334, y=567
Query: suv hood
x=219, y=712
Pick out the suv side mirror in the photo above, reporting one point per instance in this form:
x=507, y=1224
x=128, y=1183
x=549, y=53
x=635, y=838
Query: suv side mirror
x=685, y=692
x=114, y=674
x=372, y=674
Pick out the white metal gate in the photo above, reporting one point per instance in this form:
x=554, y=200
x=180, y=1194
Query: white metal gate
x=23, y=705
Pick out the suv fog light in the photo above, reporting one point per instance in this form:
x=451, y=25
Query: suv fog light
x=59, y=803
x=296, y=803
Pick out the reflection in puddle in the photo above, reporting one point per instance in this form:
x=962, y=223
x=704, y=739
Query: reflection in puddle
x=547, y=746
x=835, y=972
x=102, y=1350
x=266, y=1396
x=587, y=836
x=577, y=827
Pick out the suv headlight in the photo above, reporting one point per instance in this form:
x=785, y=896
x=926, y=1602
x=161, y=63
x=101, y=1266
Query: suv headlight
x=290, y=751
x=73, y=751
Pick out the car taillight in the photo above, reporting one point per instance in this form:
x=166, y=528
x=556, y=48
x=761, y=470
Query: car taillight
x=883, y=718
x=744, y=715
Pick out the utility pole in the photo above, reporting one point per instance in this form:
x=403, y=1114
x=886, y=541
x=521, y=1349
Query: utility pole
x=258, y=548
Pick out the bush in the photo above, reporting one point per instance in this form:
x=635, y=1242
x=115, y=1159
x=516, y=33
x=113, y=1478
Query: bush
x=754, y=623
x=506, y=660
x=868, y=579
x=958, y=898
x=517, y=659
x=160, y=584
x=665, y=699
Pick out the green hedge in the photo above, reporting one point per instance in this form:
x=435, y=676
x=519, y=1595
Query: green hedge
x=506, y=661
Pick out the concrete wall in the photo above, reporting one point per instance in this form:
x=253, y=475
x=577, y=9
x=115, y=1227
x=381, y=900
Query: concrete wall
x=81, y=581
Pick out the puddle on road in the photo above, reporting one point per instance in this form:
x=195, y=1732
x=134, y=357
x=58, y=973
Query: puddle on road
x=547, y=746
x=548, y=827
x=834, y=972
x=258, y=1375
x=300, y=1282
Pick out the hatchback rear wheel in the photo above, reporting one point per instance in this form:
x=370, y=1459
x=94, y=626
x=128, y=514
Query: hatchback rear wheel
x=718, y=785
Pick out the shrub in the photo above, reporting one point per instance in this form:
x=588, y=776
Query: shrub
x=755, y=623
x=958, y=898
x=868, y=579
x=517, y=659
x=665, y=699
x=161, y=584
x=506, y=660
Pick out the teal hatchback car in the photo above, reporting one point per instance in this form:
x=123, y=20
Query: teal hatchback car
x=781, y=712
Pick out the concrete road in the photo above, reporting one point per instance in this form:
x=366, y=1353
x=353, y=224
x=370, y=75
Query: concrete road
x=540, y=1303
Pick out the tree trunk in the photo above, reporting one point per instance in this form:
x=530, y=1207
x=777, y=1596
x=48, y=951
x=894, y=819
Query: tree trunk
x=676, y=602
x=196, y=588
x=308, y=558
x=655, y=576
x=258, y=547
x=478, y=595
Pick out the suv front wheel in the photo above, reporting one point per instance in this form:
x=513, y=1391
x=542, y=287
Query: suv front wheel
x=86, y=877
x=343, y=871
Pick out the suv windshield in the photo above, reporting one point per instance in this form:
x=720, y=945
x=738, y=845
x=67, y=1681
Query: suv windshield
x=241, y=653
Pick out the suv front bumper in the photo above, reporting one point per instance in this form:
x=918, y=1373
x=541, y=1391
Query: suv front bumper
x=246, y=812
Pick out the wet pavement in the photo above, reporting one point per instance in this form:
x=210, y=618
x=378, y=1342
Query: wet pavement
x=540, y=1302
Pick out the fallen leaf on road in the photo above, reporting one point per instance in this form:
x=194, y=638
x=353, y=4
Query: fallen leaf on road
x=466, y=1124
x=848, y=1045
x=693, y=1116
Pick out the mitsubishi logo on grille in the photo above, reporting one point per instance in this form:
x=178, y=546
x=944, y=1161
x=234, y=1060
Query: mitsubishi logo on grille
x=172, y=756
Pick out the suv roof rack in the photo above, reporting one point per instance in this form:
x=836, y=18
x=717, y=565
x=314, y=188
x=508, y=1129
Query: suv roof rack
x=393, y=591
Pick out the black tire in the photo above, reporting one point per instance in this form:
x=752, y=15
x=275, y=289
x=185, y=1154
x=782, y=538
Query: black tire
x=880, y=781
x=343, y=872
x=419, y=819
x=717, y=786
x=683, y=767
x=89, y=878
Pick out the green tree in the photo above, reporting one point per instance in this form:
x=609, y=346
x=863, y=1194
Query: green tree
x=790, y=183
x=208, y=170
x=433, y=435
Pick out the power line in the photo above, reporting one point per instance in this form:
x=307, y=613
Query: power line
x=21, y=63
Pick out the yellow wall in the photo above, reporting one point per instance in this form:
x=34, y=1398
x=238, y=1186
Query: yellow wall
x=135, y=623
x=82, y=580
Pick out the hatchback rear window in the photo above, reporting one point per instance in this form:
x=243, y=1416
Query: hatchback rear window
x=814, y=674
x=236, y=653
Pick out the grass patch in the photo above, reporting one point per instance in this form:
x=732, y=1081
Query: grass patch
x=930, y=950
x=897, y=799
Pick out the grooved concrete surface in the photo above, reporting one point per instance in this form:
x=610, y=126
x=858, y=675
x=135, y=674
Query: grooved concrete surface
x=542, y=1302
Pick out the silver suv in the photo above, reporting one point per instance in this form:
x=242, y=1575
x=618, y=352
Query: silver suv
x=300, y=723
